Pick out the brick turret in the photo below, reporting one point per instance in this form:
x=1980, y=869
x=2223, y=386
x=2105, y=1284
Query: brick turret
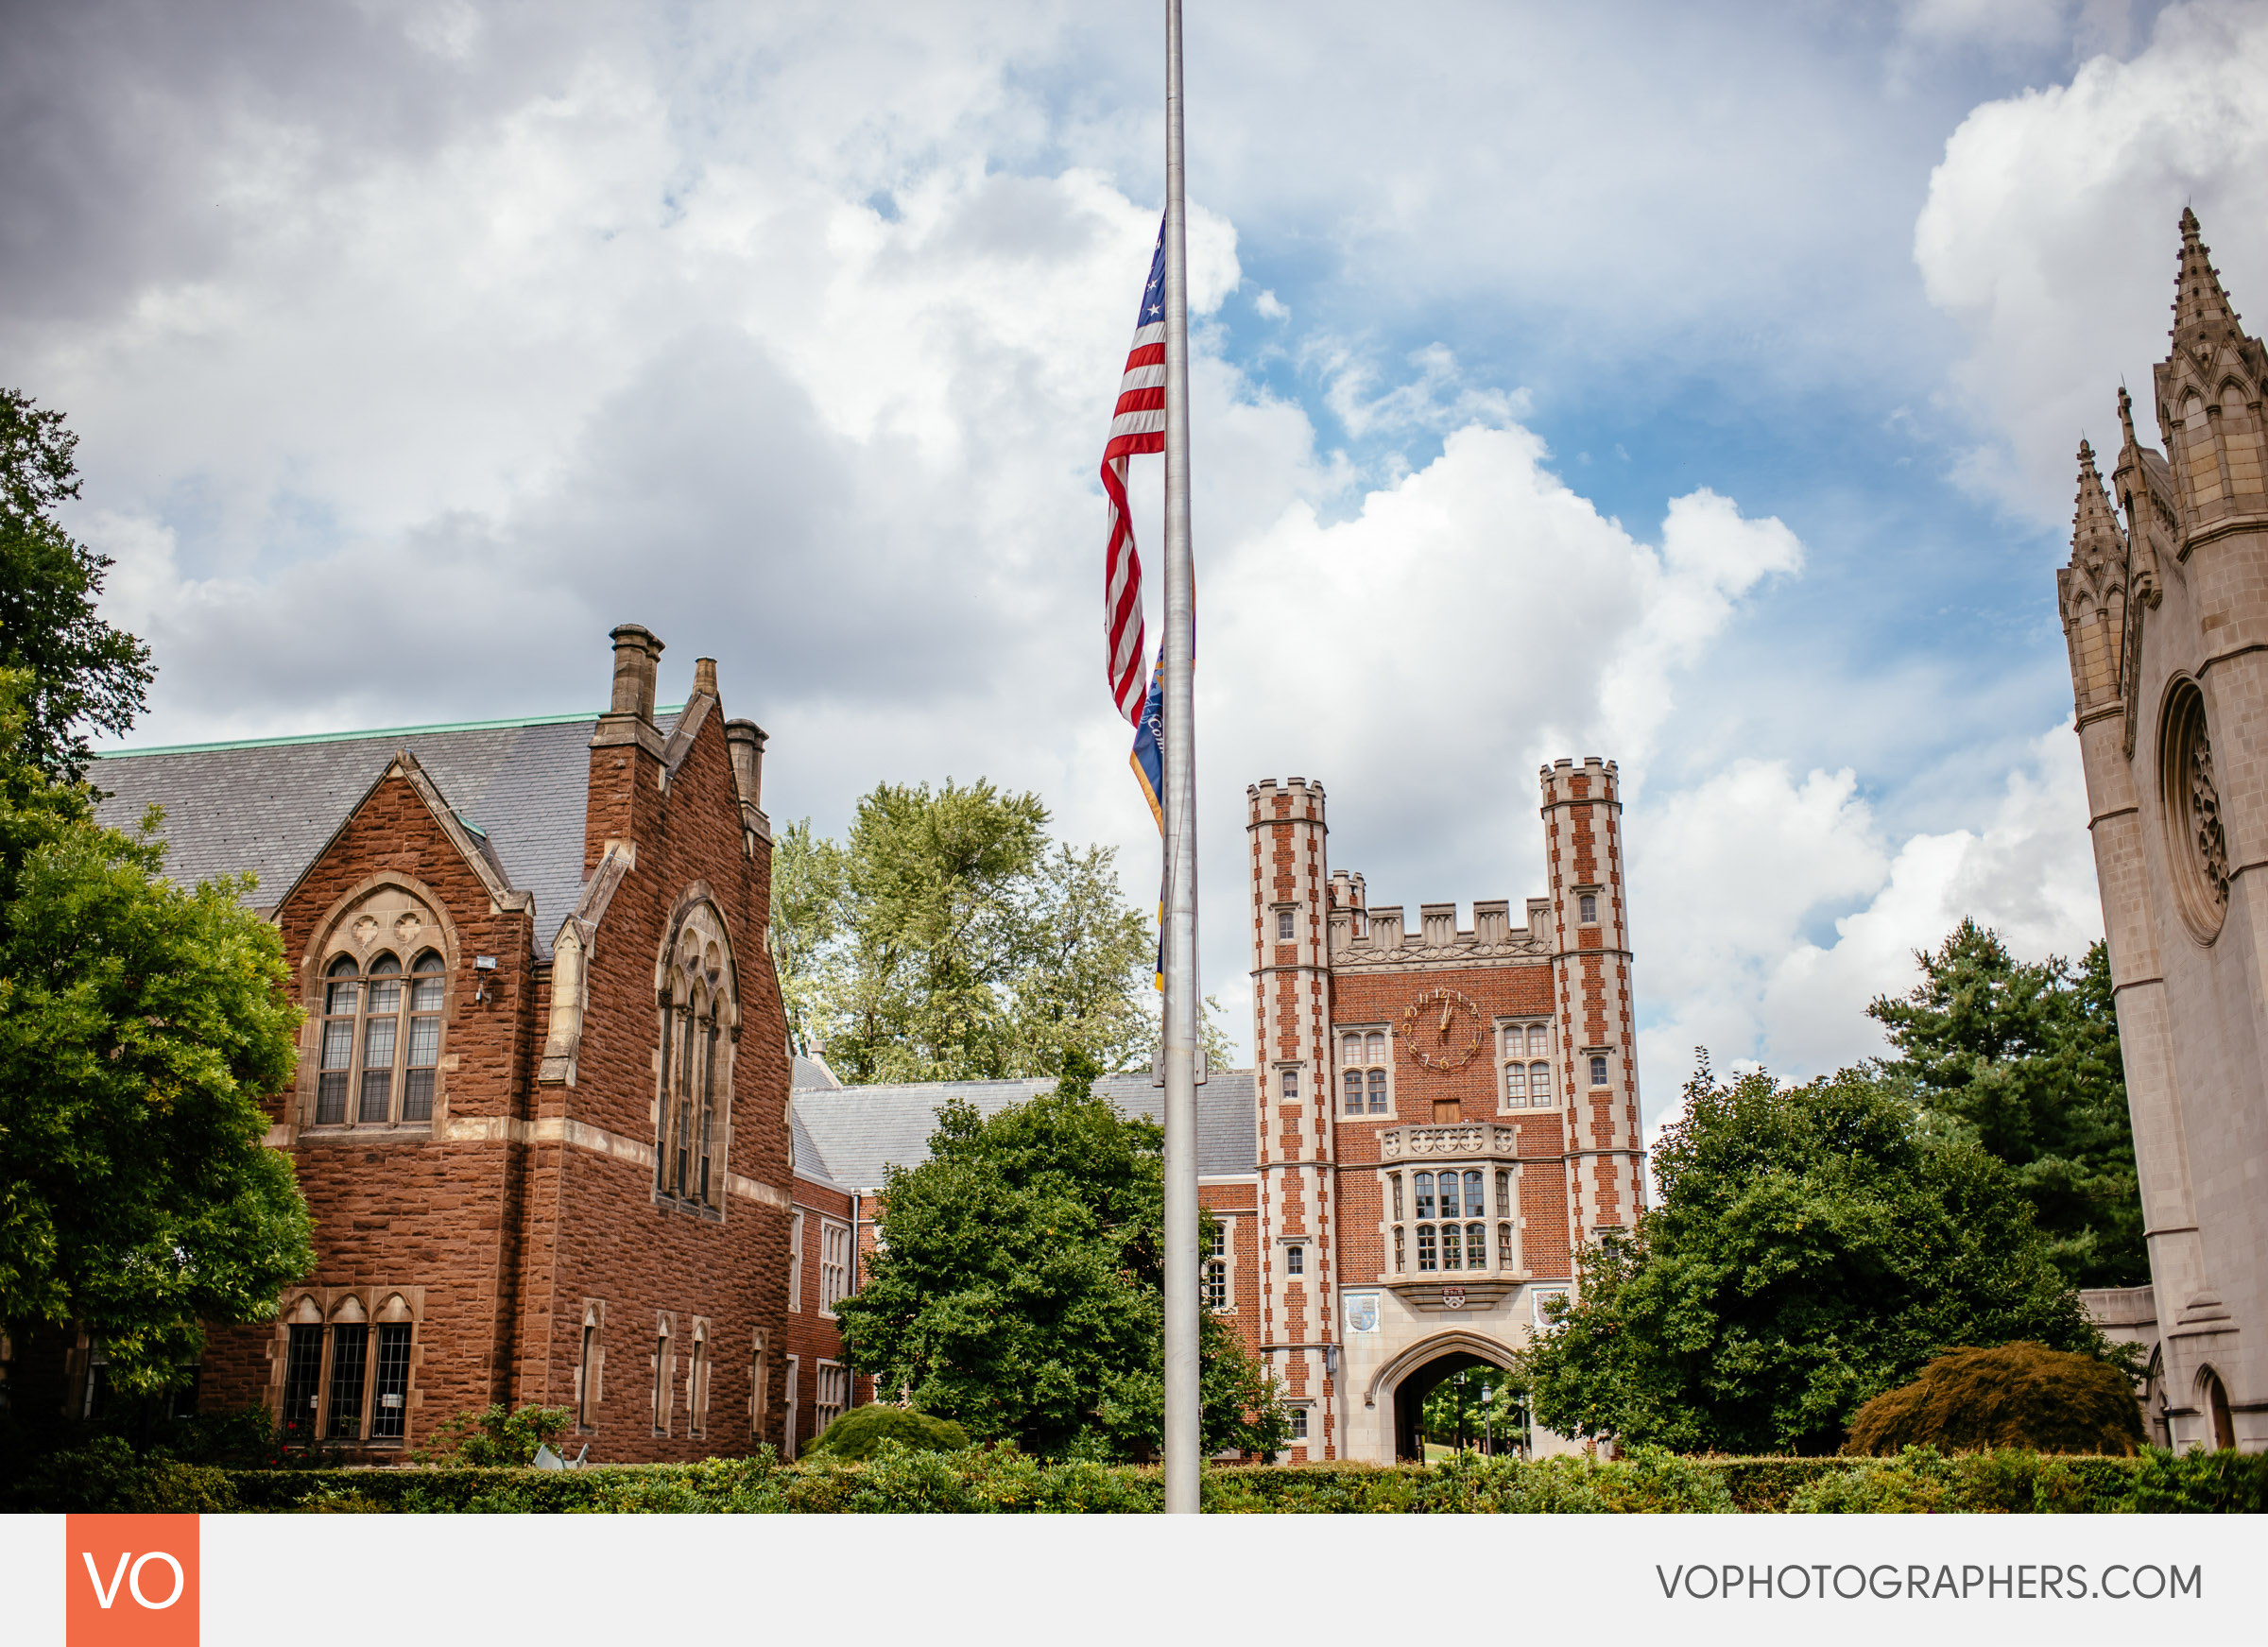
x=1291, y=1024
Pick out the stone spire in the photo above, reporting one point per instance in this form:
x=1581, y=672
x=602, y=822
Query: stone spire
x=2092, y=592
x=2201, y=308
x=2095, y=535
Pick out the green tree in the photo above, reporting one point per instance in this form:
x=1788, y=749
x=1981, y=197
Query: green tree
x=948, y=938
x=1815, y=1247
x=140, y=1026
x=1019, y=1286
x=2023, y=1058
x=1478, y=1405
x=79, y=670
x=807, y=914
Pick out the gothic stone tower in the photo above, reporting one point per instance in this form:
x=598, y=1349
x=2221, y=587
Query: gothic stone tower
x=2167, y=620
x=1443, y=1114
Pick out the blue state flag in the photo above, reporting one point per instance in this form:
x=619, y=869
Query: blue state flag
x=1148, y=759
x=1149, y=762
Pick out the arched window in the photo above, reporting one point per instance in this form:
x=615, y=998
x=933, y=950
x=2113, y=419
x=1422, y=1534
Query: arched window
x=696, y=1382
x=374, y=1067
x=2220, y=1421
x=693, y=984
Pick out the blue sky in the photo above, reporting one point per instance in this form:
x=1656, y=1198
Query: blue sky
x=1693, y=386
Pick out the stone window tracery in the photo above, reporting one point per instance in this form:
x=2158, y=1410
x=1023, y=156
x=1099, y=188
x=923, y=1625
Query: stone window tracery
x=700, y=1022
x=346, y=1367
x=382, y=1007
x=2197, y=835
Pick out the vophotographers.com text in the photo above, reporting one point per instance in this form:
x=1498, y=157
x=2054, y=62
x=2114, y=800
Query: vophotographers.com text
x=1916, y=1581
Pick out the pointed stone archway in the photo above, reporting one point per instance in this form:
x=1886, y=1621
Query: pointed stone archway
x=1410, y=1376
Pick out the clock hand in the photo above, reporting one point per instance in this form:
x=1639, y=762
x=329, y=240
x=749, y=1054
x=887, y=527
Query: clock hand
x=1446, y=1009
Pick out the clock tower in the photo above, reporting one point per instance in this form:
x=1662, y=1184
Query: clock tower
x=1445, y=1112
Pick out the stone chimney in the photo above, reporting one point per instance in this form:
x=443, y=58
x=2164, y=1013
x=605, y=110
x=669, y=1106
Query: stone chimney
x=637, y=663
x=625, y=749
x=744, y=741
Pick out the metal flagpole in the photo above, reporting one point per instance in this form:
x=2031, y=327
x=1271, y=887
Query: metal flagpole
x=1182, y=1430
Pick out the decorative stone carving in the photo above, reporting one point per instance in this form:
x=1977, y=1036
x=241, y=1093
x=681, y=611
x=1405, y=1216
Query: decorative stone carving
x=1467, y=1139
x=2205, y=819
x=2197, y=836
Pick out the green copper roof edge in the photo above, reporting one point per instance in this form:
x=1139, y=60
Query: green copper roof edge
x=592, y=715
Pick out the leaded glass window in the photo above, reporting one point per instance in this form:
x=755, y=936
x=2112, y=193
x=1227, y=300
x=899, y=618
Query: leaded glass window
x=349, y=1345
x=389, y=1405
x=302, y=1380
x=367, y=1050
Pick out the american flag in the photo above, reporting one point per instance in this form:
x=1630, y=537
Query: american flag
x=1138, y=426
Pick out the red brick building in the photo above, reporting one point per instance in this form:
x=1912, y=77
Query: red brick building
x=543, y=1111
x=541, y=1114
x=1444, y=1113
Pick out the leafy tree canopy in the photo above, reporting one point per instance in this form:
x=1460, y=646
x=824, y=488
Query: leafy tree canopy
x=79, y=670
x=2023, y=1058
x=140, y=1026
x=1815, y=1247
x=1019, y=1287
x=948, y=938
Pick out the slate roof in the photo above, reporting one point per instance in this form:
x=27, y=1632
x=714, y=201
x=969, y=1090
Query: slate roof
x=856, y=1133
x=268, y=805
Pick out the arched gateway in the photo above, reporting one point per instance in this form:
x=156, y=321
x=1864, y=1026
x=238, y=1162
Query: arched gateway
x=1402, y=1384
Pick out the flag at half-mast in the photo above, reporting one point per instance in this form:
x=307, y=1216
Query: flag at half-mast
x=1137, y=425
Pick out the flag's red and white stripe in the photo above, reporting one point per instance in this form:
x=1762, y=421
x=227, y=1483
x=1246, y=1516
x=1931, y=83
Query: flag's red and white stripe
x=1138, y=426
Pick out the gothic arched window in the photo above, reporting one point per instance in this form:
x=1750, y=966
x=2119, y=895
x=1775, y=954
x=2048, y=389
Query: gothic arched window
x=699, y=1019
x=381, y=1041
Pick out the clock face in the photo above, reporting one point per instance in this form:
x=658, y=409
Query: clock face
x=1442, y=1029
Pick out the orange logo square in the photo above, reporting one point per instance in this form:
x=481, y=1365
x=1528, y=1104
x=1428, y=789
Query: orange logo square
x=130, y=1581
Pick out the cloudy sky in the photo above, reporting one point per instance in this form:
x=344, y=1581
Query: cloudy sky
x=1693, y=385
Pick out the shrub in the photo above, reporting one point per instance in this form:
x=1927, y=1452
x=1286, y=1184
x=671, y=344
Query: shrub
x=495, y=1437
x=2019, y=1396
x=1003, y=1480
x=852, y=1437
x=105, y=1478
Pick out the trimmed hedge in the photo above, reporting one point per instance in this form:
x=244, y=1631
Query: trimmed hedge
x=896, y=1480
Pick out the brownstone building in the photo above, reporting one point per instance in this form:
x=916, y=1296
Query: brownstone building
x=541, y=1111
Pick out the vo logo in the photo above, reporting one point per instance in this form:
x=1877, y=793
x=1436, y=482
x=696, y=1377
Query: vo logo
x=131, y=1580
